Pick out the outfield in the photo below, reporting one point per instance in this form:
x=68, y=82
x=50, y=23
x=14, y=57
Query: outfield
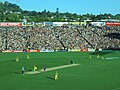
x=91, y=74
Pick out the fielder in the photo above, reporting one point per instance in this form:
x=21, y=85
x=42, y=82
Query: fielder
x=89, y=57
x=98, y=56
x=102, y=57
x=17, y=59
x=56, y=75
x=28, y=57
x=34, y=68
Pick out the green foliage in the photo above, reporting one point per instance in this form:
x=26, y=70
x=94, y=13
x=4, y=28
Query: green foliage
x=13, y=13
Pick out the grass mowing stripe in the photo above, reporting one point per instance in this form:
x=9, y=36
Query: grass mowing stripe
x=116, y=89
x=74, y=75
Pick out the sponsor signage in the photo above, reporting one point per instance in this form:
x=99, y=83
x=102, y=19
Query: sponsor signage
x=7, y=51
x=91, y=50
x=46, y=50
x=33, y=50
x=84, y=50
x=10, y=24
x=112, y=23
x=12, y=51
x=73, y=50
x=17, y=51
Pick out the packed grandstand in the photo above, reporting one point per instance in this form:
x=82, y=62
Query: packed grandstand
x=68, y=37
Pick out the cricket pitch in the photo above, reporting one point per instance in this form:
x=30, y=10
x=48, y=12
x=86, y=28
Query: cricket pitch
x=51, y=69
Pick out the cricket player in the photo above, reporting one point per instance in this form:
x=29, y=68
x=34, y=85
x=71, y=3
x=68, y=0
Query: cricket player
x=98, y=56
x=23, y=70
x=71, y=62
x=17, y=59
x=56, y=75
x=44, y=68
x=90, y=57
x=28, y=57
x=102, y=57
x=35, y=68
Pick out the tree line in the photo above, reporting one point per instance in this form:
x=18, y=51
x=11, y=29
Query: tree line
x=12, y=13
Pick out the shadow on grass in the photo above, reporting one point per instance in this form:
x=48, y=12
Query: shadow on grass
x=13, y=60
x=17, y=73
x=101, y=53
x=50, y=78
x=29, y=70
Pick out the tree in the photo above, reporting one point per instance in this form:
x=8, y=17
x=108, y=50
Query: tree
x=13, y=17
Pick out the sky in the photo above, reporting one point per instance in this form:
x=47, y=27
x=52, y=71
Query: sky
x=72, y=6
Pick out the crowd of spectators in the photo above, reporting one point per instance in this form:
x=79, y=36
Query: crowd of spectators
x=105, y=38
x=59, y=37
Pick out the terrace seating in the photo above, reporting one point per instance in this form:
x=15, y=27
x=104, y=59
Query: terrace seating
x=54, y=37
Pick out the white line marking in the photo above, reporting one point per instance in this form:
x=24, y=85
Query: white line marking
x=113, y=58
x=51, y=69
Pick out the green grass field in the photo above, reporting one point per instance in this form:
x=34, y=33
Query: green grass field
x=91, y=74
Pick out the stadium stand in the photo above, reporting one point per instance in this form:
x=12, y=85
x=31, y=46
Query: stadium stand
x=59, y=37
